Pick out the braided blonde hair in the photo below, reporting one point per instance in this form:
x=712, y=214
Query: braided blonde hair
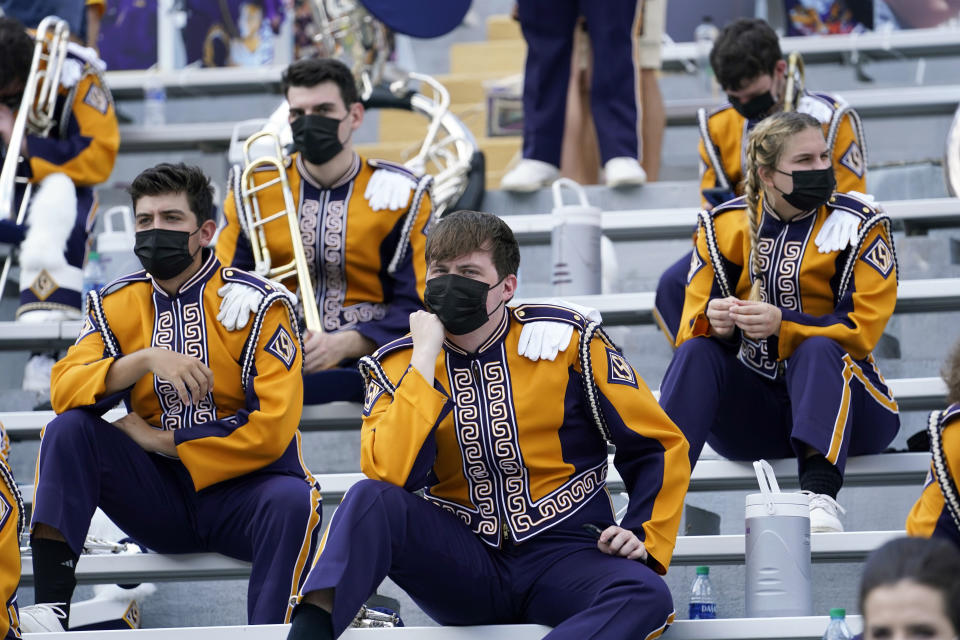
x=764, y=148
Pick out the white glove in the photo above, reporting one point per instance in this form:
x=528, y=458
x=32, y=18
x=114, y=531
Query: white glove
x=544, y=339
x=388, y=190
x=841, y=228
x=239, y=301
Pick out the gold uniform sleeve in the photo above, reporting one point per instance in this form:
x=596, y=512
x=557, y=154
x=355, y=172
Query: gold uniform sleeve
x=258, y=434
x=396, y=428
x=860, y=316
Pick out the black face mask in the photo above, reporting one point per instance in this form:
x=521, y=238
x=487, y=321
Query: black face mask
x=459, y=302
x=164, y=253
x=317, y=137
x=811, y=188
x=756, y=108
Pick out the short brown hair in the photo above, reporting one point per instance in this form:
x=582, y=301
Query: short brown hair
x=167, y=178
x=462, y=232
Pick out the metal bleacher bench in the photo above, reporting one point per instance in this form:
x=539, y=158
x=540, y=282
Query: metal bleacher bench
x=922, y=100
x=848, y=546
x=913, y=296
x=662, y=224
x=911, y=394
x=796, y=628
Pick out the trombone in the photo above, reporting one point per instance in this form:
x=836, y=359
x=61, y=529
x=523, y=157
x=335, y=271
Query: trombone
x=795, y=81
x=36, y=112
x=255, y=222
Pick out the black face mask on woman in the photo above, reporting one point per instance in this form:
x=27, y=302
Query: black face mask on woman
x=459, y=302
x=164, y=253
x=812, y=188
x=317, y=137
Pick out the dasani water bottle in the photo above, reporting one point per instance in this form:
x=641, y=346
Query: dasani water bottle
x=837, y=629
x=702, y=603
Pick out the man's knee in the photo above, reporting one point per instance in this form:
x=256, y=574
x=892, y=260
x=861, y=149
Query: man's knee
x=650, y=599
x=367, y=492
x=69, y=428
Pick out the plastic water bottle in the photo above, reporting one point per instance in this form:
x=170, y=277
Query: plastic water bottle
x=837, y=629
x=93, y=279
x=155, y=102
x=704, y=36
x=702, y=603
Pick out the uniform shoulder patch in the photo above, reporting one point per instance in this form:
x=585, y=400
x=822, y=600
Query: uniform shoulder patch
x=879, y=256
x=854, y=205
x=89, y=326
x=386, y=165
x=282, y=346
x=696, y=263
x=852, y=159
x=950, y=415
x=97, y=98
x=619, y=370
x=525, y=313
x=120, y=283
x=264, y=286
x=371, y=394
x=729, y=205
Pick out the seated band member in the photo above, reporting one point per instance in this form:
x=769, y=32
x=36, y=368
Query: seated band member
x=750, y=68
x=937, y=510
x=63, y=166
x=774, y=351
x=208, y=459
x=363, y=224
x=516, y=524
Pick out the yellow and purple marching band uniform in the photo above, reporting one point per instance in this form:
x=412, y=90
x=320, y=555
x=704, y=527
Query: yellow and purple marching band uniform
x=82, y=145
x=367, y=265
x=512, y=455
x=722, y=158
x=239, y=485
x=816, y=383
x=937, y=511
x=12, y=517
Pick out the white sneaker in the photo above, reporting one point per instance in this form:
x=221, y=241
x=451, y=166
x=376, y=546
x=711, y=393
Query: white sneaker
x=624, y=172
x=36, y=374
x=823, y=514
x=529, y=175
x=41, y=617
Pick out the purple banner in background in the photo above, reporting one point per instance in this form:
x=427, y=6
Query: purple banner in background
x=217, y=33
x=230, y=33
x=128, y=34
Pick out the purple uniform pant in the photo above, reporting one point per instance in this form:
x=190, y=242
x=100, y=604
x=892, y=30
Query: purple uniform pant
x=559, y=578
x=548, y=29
x=671, y=291
x=267, y=519
x=824, y=399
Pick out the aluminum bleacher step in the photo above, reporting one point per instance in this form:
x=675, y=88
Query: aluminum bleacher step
x=913, y=296
x=911, y=394
x=662, y=224
x=869, y=103
x=849, y=546
x=792, y=628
